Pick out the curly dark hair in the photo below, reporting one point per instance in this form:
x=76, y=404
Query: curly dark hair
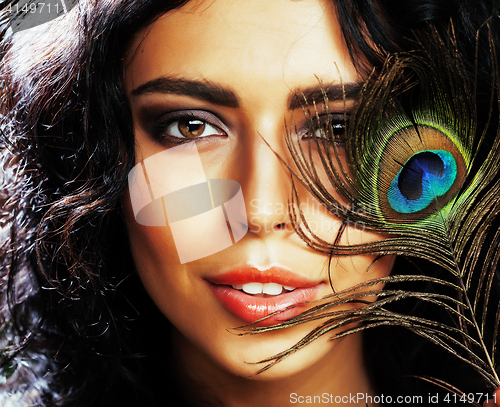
x=70, y=307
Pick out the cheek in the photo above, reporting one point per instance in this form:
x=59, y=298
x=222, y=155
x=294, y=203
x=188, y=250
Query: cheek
x=154, y=255
x=347, y=271
x=353, y=270
x=151, y=245
x=175, y=288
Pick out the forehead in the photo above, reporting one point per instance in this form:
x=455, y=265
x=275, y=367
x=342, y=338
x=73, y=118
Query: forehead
x=243, y=43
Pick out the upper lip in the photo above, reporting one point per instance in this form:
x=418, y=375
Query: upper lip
x=249, y=274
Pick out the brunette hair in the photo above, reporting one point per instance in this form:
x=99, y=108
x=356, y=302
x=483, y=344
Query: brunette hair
x=67, y=144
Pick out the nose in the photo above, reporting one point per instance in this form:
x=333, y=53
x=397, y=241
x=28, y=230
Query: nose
x=265, y=181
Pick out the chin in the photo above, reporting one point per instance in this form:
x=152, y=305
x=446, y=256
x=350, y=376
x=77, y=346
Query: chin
x=239, y=356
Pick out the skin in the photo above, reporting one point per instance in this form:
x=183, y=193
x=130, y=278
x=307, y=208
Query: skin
x=264, y=52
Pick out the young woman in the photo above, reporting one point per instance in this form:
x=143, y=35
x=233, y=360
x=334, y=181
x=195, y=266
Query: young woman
x=105, y=304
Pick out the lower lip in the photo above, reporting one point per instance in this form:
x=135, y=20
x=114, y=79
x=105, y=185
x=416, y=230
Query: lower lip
x=250, y=308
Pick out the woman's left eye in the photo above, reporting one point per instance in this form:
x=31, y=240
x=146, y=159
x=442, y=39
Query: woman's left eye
x=332, y=128
x=192, y=128
x=333, y=131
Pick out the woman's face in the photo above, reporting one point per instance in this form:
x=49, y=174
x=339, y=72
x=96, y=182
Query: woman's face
x=228, y=75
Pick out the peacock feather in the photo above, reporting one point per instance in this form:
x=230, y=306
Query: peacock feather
x=421, y=159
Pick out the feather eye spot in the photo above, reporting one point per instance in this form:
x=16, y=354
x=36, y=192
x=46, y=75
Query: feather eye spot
x=424, y=177
x=421, y=169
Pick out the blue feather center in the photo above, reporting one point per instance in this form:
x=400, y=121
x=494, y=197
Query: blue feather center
x=423, y=178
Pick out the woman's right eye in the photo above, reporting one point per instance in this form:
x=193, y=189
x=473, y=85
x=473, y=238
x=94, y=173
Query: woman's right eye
x=192, y=128
x=187, y=125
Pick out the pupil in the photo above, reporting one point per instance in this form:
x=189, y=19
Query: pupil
x=191, y=128
x=338, y=130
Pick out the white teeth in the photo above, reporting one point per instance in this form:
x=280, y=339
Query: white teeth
x=259, y=288
x=252, y=288
x=272, y=288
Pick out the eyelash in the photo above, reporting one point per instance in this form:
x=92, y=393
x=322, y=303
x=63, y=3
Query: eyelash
x=164, y=128
x=327, y=124
x=171, y=123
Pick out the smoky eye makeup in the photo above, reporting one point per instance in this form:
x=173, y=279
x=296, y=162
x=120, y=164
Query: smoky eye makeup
x=181, y=126
x=331, y=127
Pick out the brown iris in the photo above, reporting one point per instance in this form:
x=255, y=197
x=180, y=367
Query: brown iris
x=191, y=127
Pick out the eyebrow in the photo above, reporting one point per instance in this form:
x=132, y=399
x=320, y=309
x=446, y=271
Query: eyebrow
x=219, y=95
x=203, y=90
x=322, y=93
